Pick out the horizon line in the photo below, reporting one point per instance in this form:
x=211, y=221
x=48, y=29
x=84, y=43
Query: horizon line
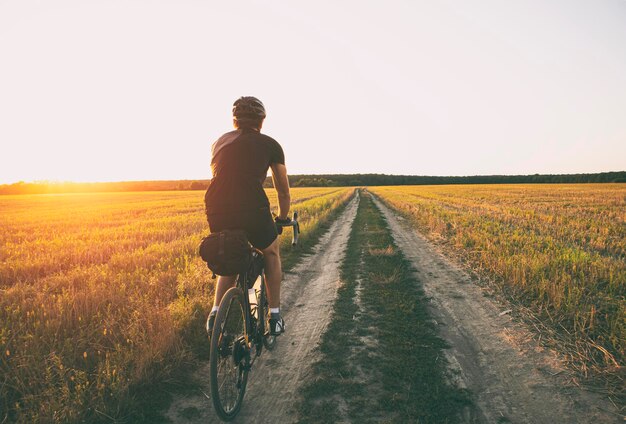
x=61, y=182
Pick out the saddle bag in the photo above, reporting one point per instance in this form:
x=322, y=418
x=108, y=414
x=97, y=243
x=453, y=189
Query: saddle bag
x=226, y=252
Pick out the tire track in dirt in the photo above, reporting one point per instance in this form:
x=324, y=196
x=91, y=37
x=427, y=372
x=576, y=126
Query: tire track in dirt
x=307, y=298
x=512, y=378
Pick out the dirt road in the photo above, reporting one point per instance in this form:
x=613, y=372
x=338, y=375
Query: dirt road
x=308, y=293
x=512, y=378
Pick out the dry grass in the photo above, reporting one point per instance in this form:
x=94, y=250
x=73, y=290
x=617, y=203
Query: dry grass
x=103, y=293
x=385, y=251
x=560, y=250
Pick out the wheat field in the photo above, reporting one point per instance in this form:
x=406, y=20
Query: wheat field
x=558, y=249
x=103, y=294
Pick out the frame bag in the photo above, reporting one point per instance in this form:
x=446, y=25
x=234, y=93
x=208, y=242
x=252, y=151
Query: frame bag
x=226, y=252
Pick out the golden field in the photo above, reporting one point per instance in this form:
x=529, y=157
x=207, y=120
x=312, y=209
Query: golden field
x=102, y=295
x=560, y=250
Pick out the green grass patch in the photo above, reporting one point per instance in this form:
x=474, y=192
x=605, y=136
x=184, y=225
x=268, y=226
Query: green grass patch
x=381, y=358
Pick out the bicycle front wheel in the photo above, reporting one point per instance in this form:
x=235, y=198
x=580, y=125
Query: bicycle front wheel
x=264, y=311
x=230, y=356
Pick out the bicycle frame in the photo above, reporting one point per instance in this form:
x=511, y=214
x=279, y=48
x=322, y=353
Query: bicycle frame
x=246, y=282
x=255, y=325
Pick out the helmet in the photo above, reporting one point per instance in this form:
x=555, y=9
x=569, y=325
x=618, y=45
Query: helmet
x=248, y=107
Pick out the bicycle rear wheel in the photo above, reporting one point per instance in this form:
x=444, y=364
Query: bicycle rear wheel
x=230, y=358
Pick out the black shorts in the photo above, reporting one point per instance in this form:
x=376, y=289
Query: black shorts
x=257, y=223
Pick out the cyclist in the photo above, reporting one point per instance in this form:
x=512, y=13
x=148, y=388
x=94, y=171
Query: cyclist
x=235, y=198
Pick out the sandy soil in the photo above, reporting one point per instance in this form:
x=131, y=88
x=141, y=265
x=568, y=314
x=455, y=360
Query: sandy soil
x=308, y=294
x=512, y=378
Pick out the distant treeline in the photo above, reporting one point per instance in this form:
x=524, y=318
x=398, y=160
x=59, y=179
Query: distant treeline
x=331, y=180
x=382, y=179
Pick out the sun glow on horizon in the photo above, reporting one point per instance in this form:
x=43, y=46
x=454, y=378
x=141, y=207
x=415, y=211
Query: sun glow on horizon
x=103, y=180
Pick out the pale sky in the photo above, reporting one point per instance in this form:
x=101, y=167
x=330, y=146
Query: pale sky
x=138, y=90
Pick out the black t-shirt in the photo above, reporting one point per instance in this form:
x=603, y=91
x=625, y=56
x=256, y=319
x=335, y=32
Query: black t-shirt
x=240, y=160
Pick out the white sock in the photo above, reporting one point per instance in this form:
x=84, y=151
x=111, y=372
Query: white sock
x=214, y=309
x=274, y=310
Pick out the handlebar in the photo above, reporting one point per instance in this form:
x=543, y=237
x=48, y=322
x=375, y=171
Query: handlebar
x=296, y=228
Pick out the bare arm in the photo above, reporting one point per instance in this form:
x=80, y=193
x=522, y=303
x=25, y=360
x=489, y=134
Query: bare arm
x=281, y=184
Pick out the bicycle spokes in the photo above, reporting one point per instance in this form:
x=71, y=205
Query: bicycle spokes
x=229, y=355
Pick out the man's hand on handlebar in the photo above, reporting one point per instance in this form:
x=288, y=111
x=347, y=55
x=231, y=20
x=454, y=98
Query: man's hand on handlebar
x=280, y=223
x=288, y=222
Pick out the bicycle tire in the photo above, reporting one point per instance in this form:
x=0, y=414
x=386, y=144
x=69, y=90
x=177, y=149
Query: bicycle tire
x=269, y=341
x=229, y=357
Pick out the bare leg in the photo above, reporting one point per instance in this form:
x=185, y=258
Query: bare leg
x=222, y=286
x=273, y=274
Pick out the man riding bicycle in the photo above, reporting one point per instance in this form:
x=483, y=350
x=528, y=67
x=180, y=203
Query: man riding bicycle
x=235, y=198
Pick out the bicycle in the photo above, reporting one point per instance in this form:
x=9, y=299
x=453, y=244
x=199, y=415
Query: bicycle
x=240, y=333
